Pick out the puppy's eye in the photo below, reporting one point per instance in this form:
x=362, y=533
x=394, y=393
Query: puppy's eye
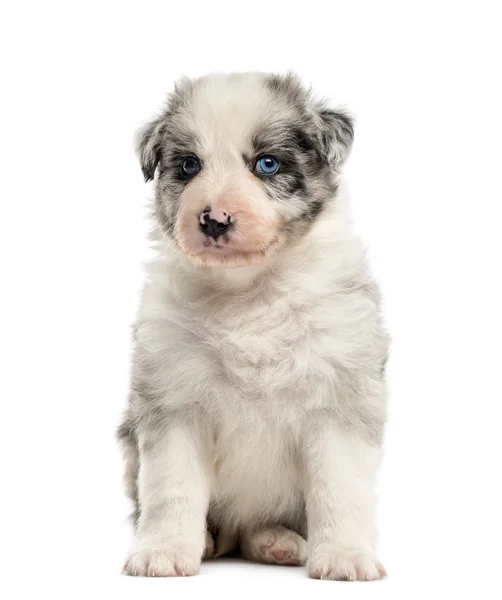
x=190, y=167
x=267, y=165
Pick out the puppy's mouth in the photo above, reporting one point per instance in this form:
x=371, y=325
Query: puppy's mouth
x=217, y=255
x=226, y=252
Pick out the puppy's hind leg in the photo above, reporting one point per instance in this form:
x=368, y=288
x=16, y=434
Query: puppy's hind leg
x=274, y=545
x=129, y=445
x=210, y=548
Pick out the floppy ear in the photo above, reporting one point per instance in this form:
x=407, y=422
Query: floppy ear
x=149, y=137
x=337, y=135
x=148, y=147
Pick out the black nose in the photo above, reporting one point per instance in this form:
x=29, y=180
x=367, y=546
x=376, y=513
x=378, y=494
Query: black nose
x=212, y=227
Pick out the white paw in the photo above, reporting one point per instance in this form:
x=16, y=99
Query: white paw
x=162, y=561
x=275, y=545
x=328, y=563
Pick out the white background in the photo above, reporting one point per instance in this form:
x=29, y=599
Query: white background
x=77, y=79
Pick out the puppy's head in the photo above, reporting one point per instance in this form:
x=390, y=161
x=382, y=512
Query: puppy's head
x=245, y=164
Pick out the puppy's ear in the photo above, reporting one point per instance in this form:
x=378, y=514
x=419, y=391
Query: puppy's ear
x=148, y=146
x=150, y=137
x=337, y=135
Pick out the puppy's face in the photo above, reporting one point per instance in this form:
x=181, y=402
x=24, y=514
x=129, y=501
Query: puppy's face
x=245, y=165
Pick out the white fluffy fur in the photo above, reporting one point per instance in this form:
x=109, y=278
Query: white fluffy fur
x=267, y=402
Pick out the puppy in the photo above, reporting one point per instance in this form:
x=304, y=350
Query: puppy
x=257, y=401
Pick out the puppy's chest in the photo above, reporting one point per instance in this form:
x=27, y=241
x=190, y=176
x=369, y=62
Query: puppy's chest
x=265, y=349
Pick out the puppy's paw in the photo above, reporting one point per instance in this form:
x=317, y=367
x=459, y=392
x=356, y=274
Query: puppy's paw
x=276, y=546
x=167, y=560
x=327, y=562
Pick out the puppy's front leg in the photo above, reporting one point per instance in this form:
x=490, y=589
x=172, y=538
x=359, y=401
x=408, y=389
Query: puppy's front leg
x=340, y=469
x=173, y=488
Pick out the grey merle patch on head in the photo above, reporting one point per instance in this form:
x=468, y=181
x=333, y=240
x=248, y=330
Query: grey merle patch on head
x=302, y=174
x=337, y=134
x=149, y=147
x=332, y=130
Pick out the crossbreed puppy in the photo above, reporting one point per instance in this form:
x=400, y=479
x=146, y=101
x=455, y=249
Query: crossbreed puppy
x=257, y=401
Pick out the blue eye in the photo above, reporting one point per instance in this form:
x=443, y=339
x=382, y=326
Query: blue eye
x=267, y=165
